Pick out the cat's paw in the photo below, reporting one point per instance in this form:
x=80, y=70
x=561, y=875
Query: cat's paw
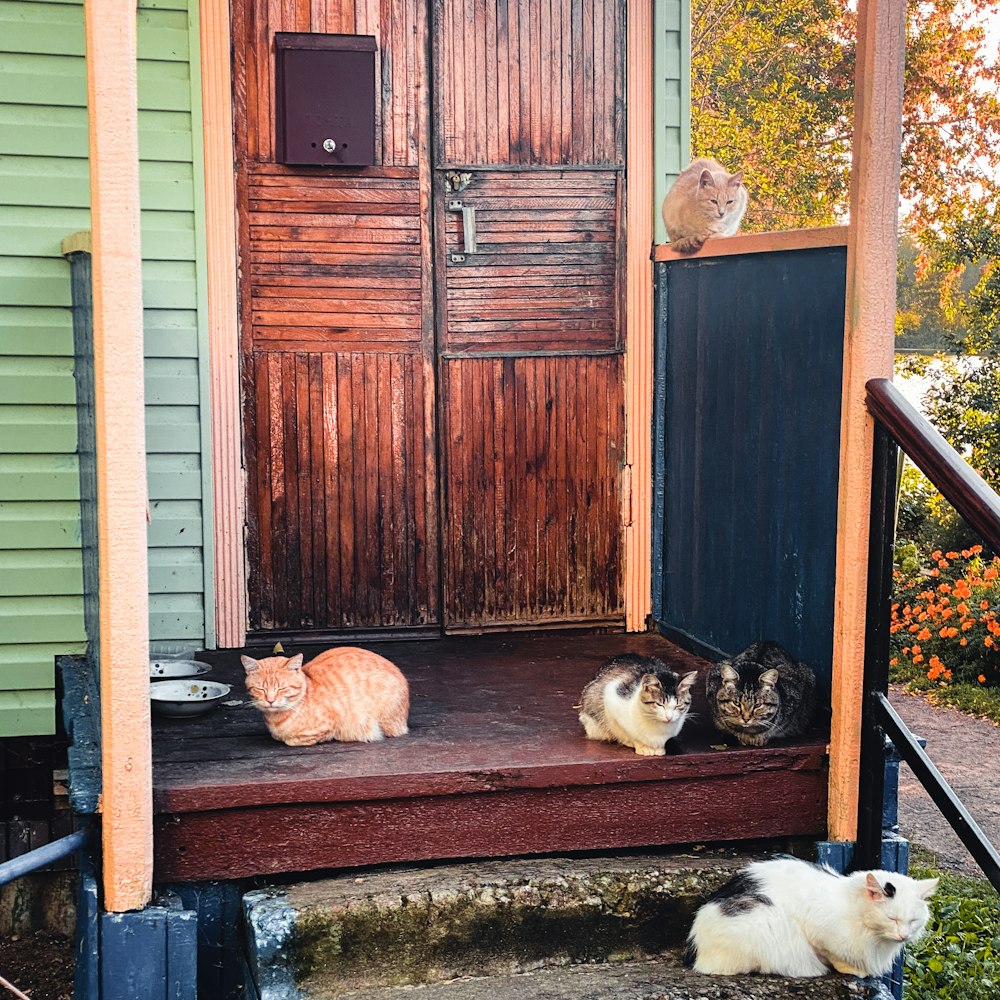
x=645, y=751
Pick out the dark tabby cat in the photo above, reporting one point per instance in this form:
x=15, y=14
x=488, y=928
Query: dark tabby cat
x=638, y=701
x=761, y=695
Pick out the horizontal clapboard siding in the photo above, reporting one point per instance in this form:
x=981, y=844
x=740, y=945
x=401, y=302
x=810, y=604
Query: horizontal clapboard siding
x=671, y=99
x=44, y=177
x=169, y=115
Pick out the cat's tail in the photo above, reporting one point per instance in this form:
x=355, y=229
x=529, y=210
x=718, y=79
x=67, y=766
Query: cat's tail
x=690, y=953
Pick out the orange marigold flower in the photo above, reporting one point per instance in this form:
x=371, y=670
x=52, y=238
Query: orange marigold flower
x=924, y=634
x=936, y=554
x=895, y=607
x=935, y=572
x=993, y=627
x=951, y=555
x=988, y=641
x=975, y=549
x=915, y=648
x=981, y=678
x=947, y=675
x=963, y=642
x=943, y=563
x=945, y=588
x=984, y=605
x=922, y=617
x=967, y=625
x=894, y=661
x=991, y=573
x=963, y=608
x=913, y=628
x=918, y=658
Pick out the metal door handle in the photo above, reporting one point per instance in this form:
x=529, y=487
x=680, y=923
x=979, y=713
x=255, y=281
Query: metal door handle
x=468, y=229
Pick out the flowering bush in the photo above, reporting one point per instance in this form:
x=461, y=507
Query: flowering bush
x=945, y=617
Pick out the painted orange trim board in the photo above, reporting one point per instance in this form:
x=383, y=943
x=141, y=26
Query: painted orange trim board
x=792, y=239
x=228, y=480
x=637, y=489
x=126, y=759
x=868, y=353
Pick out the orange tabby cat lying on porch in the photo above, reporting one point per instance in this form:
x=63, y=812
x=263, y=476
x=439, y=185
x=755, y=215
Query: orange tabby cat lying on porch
x=346, y=694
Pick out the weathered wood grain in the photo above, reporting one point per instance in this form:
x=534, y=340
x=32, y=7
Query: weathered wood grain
x=530, y=83
x=338, y=482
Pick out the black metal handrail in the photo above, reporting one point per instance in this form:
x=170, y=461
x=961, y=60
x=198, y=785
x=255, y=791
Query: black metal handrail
x=898, y=425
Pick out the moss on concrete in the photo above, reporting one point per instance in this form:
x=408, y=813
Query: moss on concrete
x=470, y=920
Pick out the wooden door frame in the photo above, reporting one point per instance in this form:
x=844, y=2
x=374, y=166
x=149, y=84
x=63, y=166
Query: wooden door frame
x=225, y=410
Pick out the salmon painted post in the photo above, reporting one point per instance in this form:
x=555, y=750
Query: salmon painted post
x=868, y=353
x=637, y=492
x=126, y=799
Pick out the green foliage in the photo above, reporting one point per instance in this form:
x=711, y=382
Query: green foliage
x=959, y=956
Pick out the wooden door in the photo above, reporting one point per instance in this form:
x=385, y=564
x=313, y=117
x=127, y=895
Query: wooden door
x=391, y=387
x=529, y=136
x=337, y=340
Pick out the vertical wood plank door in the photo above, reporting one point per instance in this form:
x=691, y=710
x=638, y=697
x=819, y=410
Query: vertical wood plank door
x=336, y=297
x=529, y=196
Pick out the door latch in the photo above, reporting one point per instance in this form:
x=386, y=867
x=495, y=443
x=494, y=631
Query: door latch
x=468, y=229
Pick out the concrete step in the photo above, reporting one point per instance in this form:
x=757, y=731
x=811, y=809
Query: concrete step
x=407, y=926
x=662, y=979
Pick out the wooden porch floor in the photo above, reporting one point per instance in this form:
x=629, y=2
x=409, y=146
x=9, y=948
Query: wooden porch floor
x=495, y=764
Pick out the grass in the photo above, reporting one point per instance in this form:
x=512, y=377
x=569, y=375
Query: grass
x=959, y=956
x=973, y=699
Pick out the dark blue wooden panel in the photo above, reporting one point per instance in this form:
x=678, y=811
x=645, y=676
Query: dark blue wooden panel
x=134, y=955
x=85, y=943
x=219, y=906
x=746, y=443
x=182, y=955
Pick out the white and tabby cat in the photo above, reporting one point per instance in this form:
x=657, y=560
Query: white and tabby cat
x=705, y=200
x=637, y=701
x=787, y=917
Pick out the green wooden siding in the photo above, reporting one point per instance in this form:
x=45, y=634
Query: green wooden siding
x=45, y=183
x=671, y=99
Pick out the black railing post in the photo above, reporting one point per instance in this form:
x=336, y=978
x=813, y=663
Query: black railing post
x=871, y=779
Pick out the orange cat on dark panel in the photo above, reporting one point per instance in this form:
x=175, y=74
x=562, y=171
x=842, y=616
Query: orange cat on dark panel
x=346, y=694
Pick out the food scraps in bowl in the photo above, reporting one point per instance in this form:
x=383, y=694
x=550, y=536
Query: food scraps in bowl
x=181, y=698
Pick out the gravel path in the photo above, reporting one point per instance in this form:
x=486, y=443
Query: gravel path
x=967, y=753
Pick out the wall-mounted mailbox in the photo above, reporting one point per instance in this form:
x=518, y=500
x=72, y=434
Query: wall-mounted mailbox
x=325, y=99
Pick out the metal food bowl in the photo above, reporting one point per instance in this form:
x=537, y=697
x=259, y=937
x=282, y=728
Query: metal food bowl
x=166, y=667
x=180, y=698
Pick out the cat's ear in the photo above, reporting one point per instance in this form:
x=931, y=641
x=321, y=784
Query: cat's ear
x=737, y=179
x=769, y=678
x=686, y=682
x=728, y=674
x=707, y=180
x=874, y=889
x=926, y=886
x=295, y=663
x=249, y=664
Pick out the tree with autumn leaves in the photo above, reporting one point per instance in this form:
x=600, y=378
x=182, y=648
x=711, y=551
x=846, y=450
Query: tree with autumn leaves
x=773, y=93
